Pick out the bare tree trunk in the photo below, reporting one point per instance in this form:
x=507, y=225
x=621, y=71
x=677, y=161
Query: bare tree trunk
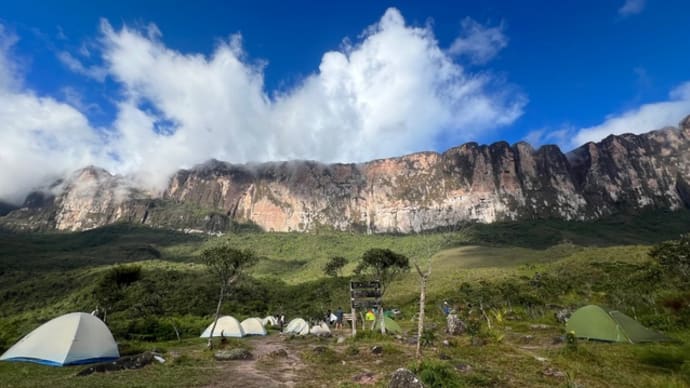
x=215, y=321
x=383, y=320
x=422, y=302
x=177, y=332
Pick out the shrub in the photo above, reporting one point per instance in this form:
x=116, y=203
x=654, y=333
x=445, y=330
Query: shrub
x=437, y=374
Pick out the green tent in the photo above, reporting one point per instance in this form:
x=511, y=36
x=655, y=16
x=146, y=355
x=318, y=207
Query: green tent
x=391, y=325
x=595, y=323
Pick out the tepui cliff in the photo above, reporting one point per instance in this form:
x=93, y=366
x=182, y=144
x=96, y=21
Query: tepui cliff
x=469, y=183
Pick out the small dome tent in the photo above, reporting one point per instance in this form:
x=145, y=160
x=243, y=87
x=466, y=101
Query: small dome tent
x=70, y=339
x=594, y=323
x=253, y=326
x=297, y=326
x=391, y=325
x=227, y=326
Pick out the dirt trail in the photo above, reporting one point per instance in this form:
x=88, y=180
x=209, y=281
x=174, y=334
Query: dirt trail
x=266, y=369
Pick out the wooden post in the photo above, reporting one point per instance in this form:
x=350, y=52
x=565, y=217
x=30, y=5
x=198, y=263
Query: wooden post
x=354, y=313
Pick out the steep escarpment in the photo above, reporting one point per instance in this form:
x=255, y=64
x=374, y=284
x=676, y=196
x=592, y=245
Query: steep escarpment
x=472, y=182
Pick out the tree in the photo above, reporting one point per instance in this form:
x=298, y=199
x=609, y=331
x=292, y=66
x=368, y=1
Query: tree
x=227, y=265
x=432, y=247
x=334, y=266
x=674, y=255
x=385, y=265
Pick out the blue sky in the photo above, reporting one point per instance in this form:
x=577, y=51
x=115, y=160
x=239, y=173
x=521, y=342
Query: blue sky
x=146, y=87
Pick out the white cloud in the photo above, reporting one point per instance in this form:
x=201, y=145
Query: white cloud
x=74, y=64
x=631, y=7
x=391, y=92
x=8, y=76
x=477, y=42
x=561, y=137
x=394, y=91
x=643, y=118
x=42, y=138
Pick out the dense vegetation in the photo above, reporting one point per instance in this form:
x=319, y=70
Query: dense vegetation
x=152, y=284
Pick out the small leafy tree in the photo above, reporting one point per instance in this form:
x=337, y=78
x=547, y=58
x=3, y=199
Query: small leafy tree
x=674, y=255
x=385, y=266
x=227, y=265
x=334, y=266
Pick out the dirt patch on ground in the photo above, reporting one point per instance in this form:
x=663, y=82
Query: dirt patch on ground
x=274, y=364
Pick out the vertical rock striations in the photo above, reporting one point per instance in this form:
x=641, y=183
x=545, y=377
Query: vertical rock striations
x=481, y=183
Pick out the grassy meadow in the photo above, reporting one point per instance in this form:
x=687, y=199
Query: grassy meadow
x=519, y=273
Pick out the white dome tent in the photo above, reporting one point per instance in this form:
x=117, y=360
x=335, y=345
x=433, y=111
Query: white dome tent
x=253, y=326
x=297, y=326
x=70, y=339
x=227, y=326
x=321, y=329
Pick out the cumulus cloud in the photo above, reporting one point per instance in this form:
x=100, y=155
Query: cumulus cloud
x=42, y=138
x=631, y=7
x=642, y=119
x=477, y=42
x=392, y=91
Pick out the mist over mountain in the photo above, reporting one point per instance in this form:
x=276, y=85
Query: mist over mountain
x=468, y=183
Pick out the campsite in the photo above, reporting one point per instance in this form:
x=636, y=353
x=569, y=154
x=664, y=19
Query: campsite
x=507, y=284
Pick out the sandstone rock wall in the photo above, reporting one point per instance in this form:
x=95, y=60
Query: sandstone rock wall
x=482, y=183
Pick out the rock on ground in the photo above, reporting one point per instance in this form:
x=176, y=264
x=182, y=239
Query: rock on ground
x=128, y=362
x=404, y=378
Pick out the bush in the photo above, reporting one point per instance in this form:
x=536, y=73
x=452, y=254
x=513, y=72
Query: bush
x=674, y=256
x=437, y=374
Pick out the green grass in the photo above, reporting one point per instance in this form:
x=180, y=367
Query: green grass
x=523, y=270
x=194, y=368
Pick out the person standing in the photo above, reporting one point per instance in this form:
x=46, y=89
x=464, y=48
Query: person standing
x=339, y=318
x=446, y=308
x=370, y=317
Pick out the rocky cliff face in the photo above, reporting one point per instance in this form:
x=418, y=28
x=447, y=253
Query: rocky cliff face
x=482, y=183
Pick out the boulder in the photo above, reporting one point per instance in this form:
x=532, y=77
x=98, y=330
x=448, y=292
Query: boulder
x=454, y=326
x=404, y=378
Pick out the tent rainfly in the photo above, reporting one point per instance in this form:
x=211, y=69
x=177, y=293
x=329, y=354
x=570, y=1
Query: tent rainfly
x=269, y=320
x=253, y=326
x=594, y=323
x=297, y=326
x=227, y=326
x=70, y=339
x=391, y=325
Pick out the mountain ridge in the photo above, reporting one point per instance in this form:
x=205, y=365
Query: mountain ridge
x=423, y=190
